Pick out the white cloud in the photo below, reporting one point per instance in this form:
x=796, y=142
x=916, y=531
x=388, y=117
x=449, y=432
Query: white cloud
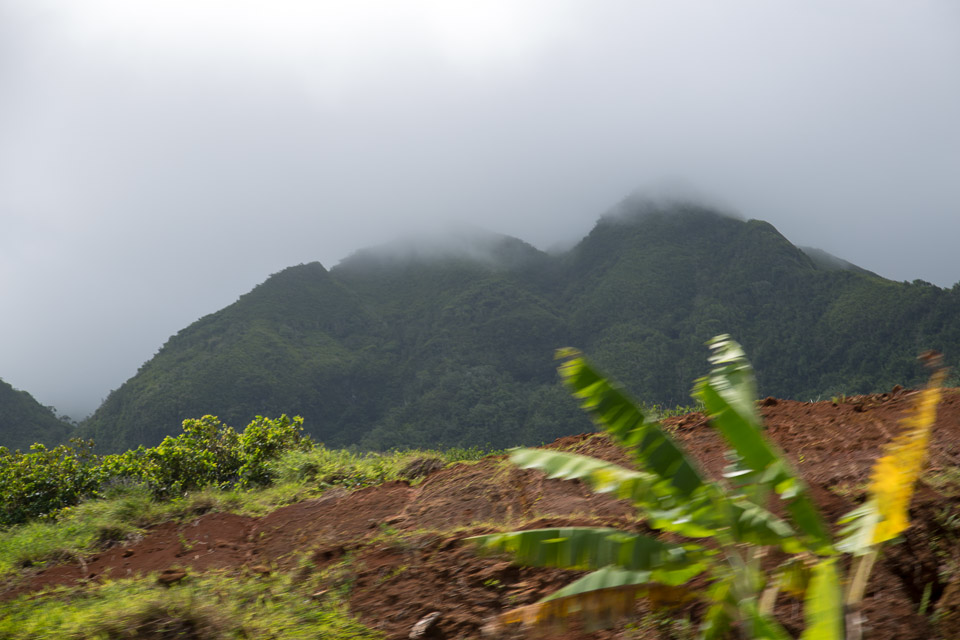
x=162, y=157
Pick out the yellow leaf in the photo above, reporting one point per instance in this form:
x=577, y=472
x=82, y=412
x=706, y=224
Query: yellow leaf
x=896, y=473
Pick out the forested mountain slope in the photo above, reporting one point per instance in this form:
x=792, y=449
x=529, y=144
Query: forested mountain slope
x=424, y=345
x=24, y=421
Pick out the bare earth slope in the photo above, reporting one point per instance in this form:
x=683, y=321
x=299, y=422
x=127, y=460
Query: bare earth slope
x=407, y=559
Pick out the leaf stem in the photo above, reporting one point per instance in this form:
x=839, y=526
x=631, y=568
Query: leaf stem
x=863, y=566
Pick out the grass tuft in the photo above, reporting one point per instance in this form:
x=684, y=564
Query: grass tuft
x=208, y=607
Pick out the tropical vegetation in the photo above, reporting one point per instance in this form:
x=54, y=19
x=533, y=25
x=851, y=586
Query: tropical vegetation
x=734, y=515
x=69, y=502
x=45, y=483
x=424, y=346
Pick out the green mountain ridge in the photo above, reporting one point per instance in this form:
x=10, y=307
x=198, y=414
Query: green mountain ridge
x=429, y=344
x=24, y=421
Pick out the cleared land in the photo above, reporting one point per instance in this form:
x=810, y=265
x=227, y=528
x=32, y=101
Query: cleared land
x=397, y=548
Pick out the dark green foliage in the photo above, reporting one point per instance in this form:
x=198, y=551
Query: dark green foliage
x=24, y=421
x=413, y=346
x=207, y=453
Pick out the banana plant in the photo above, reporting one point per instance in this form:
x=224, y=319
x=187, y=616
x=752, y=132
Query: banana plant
x=673, y=495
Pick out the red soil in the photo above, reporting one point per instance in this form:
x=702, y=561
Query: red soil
x=408, y=559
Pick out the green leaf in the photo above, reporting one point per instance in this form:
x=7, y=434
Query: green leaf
x=763, y=626
x=603, y=578
x=727, y=394
x=716, y=621
x=767, y=628
x=823, y=607
x=755, y=525
x=793, y=576
x=856, y=537
x=700, y=516
x=654, y=450
x=696, y=516
x=593, y=548
x=603, y=477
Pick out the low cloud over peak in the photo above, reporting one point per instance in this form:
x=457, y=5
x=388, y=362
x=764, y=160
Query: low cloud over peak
x=160, y=157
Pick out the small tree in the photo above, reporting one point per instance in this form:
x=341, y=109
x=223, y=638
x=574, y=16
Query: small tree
x=675, y=497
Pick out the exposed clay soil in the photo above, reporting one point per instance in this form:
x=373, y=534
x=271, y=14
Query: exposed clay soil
x=407, y=558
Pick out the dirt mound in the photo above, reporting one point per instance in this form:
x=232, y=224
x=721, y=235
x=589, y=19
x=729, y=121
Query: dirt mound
x=407, y=558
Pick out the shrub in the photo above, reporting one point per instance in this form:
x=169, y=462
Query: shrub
x=263, y=441
x=208, y=453
x=44, y=480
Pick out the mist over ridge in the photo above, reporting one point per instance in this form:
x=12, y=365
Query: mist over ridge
x=450, y=339
x=160, y=158
x=460, y=242
x=453, y=241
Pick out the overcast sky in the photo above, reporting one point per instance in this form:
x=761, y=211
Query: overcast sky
x=159, y=158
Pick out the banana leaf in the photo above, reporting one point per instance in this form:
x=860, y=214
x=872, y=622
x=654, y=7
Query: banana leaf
x=589, y=548
x=823, y=607
x=653, y=449
x=727, y=394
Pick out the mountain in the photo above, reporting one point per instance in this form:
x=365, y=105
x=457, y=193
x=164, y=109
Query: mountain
x=24, y=421
x=449, y=341
x=664, y=281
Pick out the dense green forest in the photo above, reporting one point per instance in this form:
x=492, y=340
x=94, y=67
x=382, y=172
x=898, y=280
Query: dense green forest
x=24, y=421
x=413, y=345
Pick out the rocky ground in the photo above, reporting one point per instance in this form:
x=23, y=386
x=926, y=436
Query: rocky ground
x=399, y=546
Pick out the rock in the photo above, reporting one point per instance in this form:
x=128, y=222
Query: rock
x=426, y=627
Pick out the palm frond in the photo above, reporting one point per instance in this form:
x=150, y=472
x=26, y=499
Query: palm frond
x=728, y=394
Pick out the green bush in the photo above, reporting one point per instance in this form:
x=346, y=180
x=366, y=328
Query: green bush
x=263, y=441
x=207, y=454
x=44, y=480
